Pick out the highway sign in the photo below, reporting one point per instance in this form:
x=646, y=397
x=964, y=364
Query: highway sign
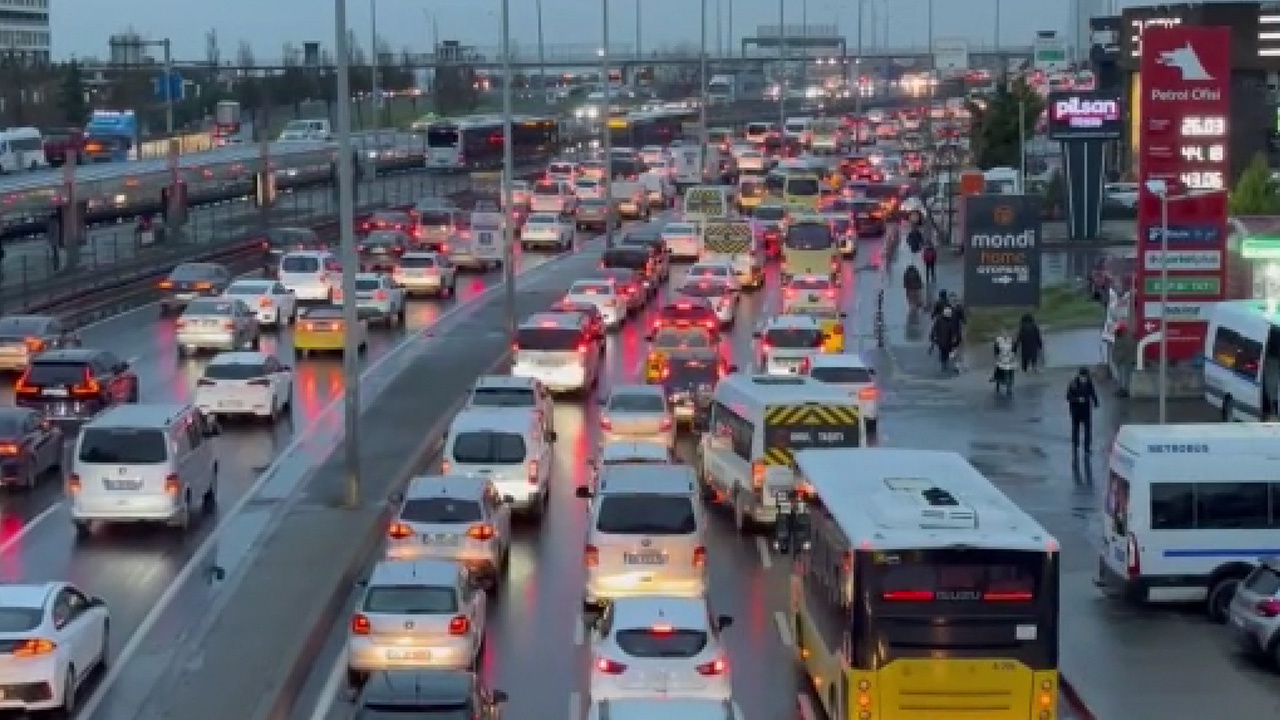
x=1184, y=259
x=1184, y=285
x=173, y=88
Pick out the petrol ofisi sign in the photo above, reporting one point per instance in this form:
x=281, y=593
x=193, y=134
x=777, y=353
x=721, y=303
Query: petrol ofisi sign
x=1184, y=109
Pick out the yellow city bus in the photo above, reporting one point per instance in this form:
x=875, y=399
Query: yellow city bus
x=906, y=606
x=802, y=190
x=809, y=248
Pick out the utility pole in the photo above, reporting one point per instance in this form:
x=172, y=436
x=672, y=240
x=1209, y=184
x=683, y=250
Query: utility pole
x=346, y=228
x=638, y=53
x=542, y=55
x=860, y=123
x=604, y=125
x=782, y=73
x=508, y=172
x=375, y=96
x=702, y=92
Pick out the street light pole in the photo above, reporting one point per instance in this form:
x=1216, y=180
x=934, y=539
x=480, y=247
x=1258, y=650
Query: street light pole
x=375, y=96
x=508, y=173
x=1164, y=308
x=346, y=228
x=782, y=73
x=604, y=126
x=168, y=88
x=857, y=86
x=542, y=54
x=702, y=95
x=638, y=54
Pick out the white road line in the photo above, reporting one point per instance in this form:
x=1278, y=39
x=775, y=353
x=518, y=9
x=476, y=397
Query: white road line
x=575, y=706
x=17, y=537
x=766, y=558
x=806, y=707
x=784, y=628
x=737, y=711
x=579, y=630
x=196, y=561
x=329, y=693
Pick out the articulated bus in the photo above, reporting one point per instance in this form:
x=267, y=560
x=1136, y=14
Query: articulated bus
x=651, y=127
x=475, y=142
x=924, y=592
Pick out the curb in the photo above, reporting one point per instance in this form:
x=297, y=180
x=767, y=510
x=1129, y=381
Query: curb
x=1074, y=701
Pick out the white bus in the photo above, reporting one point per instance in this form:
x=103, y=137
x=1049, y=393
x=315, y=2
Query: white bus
x=1242, y=360
x=21, y=149
x=475, y=142
x=1189, y=509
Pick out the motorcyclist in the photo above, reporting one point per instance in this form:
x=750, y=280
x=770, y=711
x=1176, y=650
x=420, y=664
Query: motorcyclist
x=1006, y=361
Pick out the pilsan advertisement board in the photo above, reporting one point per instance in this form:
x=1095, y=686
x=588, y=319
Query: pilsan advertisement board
x=1084, y=116
x=1002, y=251
x=1185, y=109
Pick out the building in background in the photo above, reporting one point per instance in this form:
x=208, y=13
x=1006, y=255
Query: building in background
x=24, y=30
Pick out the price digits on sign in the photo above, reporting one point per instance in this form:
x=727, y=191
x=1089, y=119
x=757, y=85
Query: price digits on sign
x=1214, y=152
x=1204, y=126
x=1203, y=180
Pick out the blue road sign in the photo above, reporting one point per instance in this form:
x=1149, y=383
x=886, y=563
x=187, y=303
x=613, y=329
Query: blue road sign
x=173, y=88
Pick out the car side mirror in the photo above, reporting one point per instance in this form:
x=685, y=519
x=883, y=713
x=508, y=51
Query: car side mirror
x=723, y=621
x=500, y=697
x=583, y=492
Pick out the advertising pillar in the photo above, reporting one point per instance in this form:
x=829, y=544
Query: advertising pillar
x=1084, y=122
x=1185, y=109
x=1002, y=245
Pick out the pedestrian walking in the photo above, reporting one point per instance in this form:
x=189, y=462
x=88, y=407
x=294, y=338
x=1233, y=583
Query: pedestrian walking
x=1124, y=357
x=1082, y=398
x=913, y=285
x=945, y=335
x=930, y=257
x=1029, y=344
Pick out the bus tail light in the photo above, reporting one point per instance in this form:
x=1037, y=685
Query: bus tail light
x=757, y=476
x=700, y=557
x=1133, y=562
x=399, y=531
x=868, y=394
x=864, y=699
x=591, y=556
x=533, y=472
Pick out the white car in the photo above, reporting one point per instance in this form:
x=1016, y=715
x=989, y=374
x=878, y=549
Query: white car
x=547, y=229
x=255, y=384
x=659, y=646
x=630, y=452
x=426, y=272
x=589, y=187
x=605, y=296
x=683, y=240
x=652, y=154
x=809, y=291
x=272, y=301
x=720, y=294
x=377, y=298
x=716, y=271
x=310, y=274
x=852, y=374
x=638, y=413
x=788, y=344
x=217, y=324
x=55, y=637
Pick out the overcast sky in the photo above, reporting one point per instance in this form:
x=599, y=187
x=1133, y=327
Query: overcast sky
x=267, y=24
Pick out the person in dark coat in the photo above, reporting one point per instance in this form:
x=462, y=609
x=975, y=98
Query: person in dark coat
x=1082, y=398
x=913, y=284
x=942, y=303
x=1029, y=344
x=946, y=336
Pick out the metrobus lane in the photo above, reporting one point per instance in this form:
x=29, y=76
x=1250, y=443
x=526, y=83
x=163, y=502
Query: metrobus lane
x=537, y=645
x=133, y=566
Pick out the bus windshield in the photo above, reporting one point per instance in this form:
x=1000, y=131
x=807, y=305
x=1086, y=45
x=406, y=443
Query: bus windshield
x=803, y=186
x=973, y=579
x=444, y=137
x=809, y=236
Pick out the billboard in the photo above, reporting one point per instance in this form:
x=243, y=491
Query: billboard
x=1185, y=108
x=1084, y=116
x=1002, y=242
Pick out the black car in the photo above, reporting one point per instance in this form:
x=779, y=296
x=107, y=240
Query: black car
x=30, y=447
x=382, y=249
x=25, y=336
x=387, y=220
x=689, y=383
x=595, y=321
x=75, y=384
x=652, y=241
x=868, y=218
x=280, y=241
x=636, y=259
x=426, y=694
x=189, y=281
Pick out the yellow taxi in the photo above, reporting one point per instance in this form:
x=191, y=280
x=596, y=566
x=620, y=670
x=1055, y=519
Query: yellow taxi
x=322, y=329
x=751, y=192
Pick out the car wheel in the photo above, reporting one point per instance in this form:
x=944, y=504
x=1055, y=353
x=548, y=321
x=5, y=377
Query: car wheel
x=69, y=704
x=104, y=653
x=29, y=474
x=209, y=501
x=84, y=528
x=277, y=321
x=403, y=315
x=1218, y=602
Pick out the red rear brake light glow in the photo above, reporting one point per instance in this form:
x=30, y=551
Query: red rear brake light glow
x=715, y=667
x=908, y=596
x=1268, y=607
x=22, y=387
x=360, y=625
x=610, y=667
x=172, y=485
x=459, y=625
x=35, y=647
x=481, y=532
x=34, y=344
x=1014, y=596
x=533, y=472
x=9, y=449
x=380, y=295
x=88, y=385
x=399, y=531
x=591, y=556
x=700, y=557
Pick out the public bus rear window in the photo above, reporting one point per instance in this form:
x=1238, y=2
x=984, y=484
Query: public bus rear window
x=809, y=236
x=548, y=339
x=442, y=137
x=1000, y=576
x=803, y=186
x=629, y=258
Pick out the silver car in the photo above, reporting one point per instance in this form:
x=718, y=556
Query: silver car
x=453, y=518
x=217, y=324
x=426, y=272
x=638, y=413
x=1255, y=611
x=416, y=614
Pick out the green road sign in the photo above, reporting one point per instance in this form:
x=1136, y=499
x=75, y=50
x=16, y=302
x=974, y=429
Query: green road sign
x=1184, y=285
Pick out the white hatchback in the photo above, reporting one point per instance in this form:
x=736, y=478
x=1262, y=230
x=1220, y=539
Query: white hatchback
x=547, y=229
x=270, y=299
x=604, y=295
x=254, y=384
x=714, y=270
x=683, y=240
x=788, y=344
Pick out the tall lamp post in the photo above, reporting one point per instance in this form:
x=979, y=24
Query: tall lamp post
x=604, y=126
x=702, y=90
x=1160, y=188
x=782, y=72
x=346, y=229
x=508, y=172
x=375, y=95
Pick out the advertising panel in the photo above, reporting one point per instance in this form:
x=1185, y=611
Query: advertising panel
x=1002, y=251
x=1084, y=116
x=1185, y=105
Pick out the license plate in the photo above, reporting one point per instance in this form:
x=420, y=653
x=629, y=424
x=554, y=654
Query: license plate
x=124, y=484
x=323, y=326
x=231, y=404
x=185, y=296
x=440, y=539
x=549, y=363
x=54, y=392
x=644, y=558
x=408, y=654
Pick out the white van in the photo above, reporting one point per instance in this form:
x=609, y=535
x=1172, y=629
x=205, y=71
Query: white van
x=798, y=129
x=1189, y=510
x=479, y=247
x=21, y=149
x=1242, y=360
x=310, y=274
x=144, y=463
x=756, y=424
x=508, y=446
x=315, y=130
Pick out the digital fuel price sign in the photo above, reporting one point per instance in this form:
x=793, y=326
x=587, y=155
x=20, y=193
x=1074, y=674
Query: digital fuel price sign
x=1202, y=145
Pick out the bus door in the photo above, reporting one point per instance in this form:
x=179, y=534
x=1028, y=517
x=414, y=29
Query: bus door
x=809, y=248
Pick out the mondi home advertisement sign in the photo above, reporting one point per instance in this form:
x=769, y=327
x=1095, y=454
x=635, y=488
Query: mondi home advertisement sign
x=1084, y=116
x=1185, y=109
x=1002, y=251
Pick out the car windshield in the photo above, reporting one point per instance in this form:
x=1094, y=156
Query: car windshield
x=626, y=514
x=485, y=396
x=629, y=258
x=809, y=236
x=679, y=229
x=56, y=373
x=661, y=642
x=709, y=271
x=843, y=375
x=488, y=447
x=366, y=284
x=769, y=213
x=637, y=403
x=705, y=289
x=542, y=220
x=187, y=273
x=122, y=446
x=810, y=283
x=20, y=619
x=684, y=372
x=591, y=288
x=300, y=264
x=328, y=313
x=382, y=237
x=548, y=339
x=546, y=188
x=235, y=371
x=249, y=288
x=440, y=510
x=419, y=261
x=23, y=326
x=210, y=307
x=682, y=337
x=793, y=337
x=410, y=600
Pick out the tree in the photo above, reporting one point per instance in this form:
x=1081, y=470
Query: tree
x=71, y=100
x=454, y=90
x=995, y=135
x=1255, y=193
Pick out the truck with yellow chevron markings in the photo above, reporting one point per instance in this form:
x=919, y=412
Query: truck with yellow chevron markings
x=755, y=426
x=732, y=242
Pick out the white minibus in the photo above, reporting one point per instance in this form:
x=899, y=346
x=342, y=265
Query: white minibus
x=1242, y=360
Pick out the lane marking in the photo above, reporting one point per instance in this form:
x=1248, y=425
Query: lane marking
x=766, y=558
x=784, y=628
x=737, y=710
x=210, y=543
x=331, y=686
x=806, y=707
x=17, y=537
x=575, y=705
x=579, y=630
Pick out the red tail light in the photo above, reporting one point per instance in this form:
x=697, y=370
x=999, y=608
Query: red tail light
x=481, y=532
x=715, y=667
x=399, y=531
x=831, y=294
x=908, y=596
x=459, y=625
x=9, y=449
x=666, y=424
x=34, y=345
x=700, y=556
x=610, y=667
x=228, y=325
x=172, y=485
x=1133, y=564
x=35, y=647
x=88, y=386
x=1268, y=608
x=582, y=348
x=360, y=625
x=22, y=387
x=606, y=424
x=265, y=302
x=804, y=365
x=591, y=556
x=164, y=285
x=533, y=472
